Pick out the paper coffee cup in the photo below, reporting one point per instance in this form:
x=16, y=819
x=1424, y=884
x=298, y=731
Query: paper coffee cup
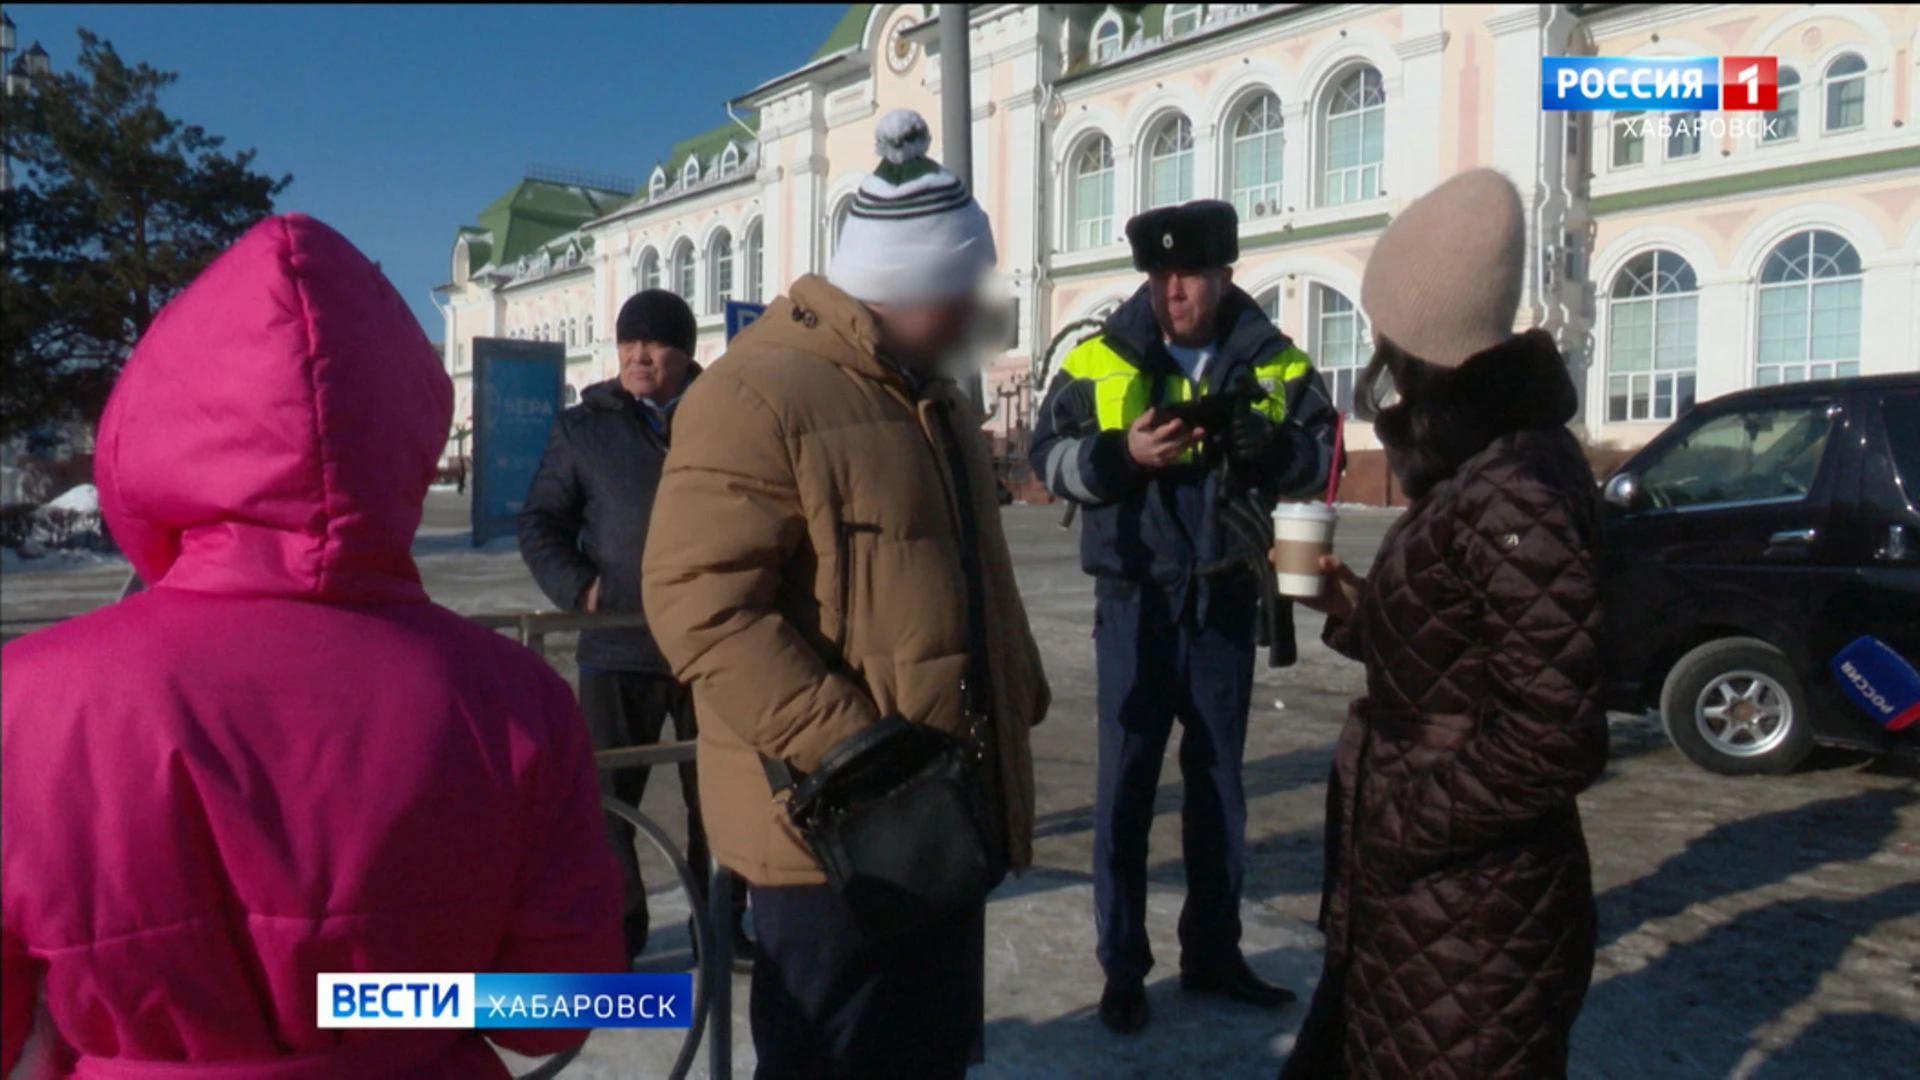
x=1302, y=533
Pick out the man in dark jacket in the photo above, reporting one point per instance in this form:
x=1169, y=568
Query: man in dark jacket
x=1171, y=516
x=582, y=533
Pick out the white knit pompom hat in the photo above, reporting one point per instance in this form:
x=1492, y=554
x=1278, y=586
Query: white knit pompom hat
x=914, y=234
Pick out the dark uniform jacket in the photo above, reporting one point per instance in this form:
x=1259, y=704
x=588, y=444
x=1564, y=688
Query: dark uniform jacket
x=586, y=516
x=1143, y=527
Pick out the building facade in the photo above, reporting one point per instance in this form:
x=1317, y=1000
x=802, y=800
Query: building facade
x=1673, y=264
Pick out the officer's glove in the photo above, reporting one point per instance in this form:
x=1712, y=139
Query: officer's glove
x=1254, y=437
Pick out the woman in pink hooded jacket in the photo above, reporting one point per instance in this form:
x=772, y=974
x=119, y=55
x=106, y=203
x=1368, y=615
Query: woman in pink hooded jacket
x=282, y=759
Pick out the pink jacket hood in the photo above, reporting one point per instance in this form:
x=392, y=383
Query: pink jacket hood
x=275, y=431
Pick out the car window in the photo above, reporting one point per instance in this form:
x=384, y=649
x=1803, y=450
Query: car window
x=1767, y=452
x=1902, y=415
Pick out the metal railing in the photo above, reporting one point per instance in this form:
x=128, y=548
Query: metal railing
x=712, y=936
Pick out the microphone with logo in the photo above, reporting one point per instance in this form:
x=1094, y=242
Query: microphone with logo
x=1880, y=681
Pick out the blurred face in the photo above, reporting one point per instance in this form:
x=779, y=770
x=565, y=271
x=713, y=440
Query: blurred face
x=1186, y=301
x=926, y=338
x=649, y=369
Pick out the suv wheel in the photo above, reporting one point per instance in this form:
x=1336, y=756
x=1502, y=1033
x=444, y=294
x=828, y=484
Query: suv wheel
x=1735, y=707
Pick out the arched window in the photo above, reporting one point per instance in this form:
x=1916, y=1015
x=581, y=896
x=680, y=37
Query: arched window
x=1107, y=38
x=1783, y=123
x=1846, y=93
x=1342, y=343
x=1653, y=317
x=1170, y=162
x=647, y=275
x=690, y=172
x=1356, y=140
x=719, y=272
x=1254, y=156
x=1269, y=303
x=657, y=186
x=1183, y=19
x=1809, y=310
x=586, y=332
x=729, y=160
x=681, y=271
x=1090, y=199
x=573, y=332
x=755, y=250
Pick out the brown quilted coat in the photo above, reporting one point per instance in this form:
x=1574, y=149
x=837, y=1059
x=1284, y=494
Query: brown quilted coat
x=803, y=572
x=1459, y=908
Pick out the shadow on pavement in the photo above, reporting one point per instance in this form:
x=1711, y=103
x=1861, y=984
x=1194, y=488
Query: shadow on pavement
x=1754, y=852
x=1188, y=1035
x=1696, y=1006
x=1837, y=1037
x=1267, y=776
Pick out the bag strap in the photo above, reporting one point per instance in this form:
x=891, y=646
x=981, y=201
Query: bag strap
x=779, y=775
x=979, y=698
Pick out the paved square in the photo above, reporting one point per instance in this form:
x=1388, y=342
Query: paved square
x=1755, y=928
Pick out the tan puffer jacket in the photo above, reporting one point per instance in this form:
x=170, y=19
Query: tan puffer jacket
x=803, y=572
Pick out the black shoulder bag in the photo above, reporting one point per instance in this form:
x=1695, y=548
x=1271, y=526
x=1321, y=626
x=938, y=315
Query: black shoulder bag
x=894, y=815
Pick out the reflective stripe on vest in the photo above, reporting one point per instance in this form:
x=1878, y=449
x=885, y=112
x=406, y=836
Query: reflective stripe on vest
x=1121, y=393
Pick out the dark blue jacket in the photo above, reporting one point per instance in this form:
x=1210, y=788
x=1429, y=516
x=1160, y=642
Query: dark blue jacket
x=586, y=517
x=1142, y=527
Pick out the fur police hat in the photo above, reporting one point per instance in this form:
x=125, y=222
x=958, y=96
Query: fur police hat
x=1200, y=235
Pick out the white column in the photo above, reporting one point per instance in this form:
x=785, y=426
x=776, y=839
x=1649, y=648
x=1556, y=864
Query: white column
x=1413, y=148
x=1725, y=332
x=1206, y=158
x=1298, y=181
x=1888, y=286
x=1518, y=150
x=1126, y=182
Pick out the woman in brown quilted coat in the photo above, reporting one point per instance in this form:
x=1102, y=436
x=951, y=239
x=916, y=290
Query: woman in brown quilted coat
x=1458, y=908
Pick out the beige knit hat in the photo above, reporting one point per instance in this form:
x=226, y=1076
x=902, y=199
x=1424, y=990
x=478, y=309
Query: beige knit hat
x=1443, y=282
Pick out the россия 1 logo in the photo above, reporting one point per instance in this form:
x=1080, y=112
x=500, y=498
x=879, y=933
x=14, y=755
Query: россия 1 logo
x=1660, y=83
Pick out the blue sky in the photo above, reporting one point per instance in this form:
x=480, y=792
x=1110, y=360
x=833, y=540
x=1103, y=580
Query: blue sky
x=401, y=122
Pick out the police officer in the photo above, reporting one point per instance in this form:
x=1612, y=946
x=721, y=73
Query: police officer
x=1175, y=633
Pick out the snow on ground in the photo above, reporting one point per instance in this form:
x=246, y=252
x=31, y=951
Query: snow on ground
x=12, y=562
x=84, y=499
x=1765, y=928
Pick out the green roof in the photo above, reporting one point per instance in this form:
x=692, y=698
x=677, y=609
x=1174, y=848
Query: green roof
x=709, y=146
x=847, y=32
x=531, y=214
x=1153, y=19
x=479, y=245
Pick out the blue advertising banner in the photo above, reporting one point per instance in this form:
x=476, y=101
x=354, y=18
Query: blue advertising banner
x=517, y=387
x=739, y=314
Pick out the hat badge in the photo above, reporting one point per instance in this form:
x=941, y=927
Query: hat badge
x=1166, y=241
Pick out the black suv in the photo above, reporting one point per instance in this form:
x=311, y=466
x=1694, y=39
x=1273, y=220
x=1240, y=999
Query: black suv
x=1750, y=542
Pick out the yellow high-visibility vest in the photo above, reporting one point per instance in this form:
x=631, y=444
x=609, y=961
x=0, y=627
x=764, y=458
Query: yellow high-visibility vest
x=1122, y=392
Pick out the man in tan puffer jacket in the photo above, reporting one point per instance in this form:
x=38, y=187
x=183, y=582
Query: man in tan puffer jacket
x=827, y=499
